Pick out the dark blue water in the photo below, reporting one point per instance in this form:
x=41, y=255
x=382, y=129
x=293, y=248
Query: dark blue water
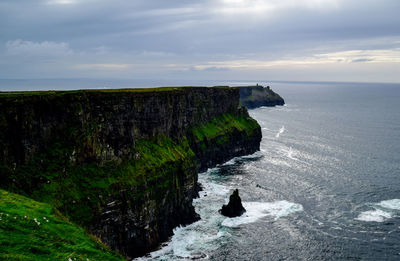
x=325, y=185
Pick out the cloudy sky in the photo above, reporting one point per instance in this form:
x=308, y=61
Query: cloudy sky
x=321, y=40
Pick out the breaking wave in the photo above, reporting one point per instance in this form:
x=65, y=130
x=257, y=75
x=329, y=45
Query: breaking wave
x=383, y=210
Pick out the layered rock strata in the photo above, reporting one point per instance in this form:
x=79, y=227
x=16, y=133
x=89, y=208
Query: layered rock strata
x=121, y=163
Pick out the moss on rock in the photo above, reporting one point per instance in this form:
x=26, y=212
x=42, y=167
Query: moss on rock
x=121, y=163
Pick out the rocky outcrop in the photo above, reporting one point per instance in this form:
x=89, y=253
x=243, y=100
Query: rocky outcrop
x=234, y=207
x=121, y=163
x=257, y=96
x=235, y=136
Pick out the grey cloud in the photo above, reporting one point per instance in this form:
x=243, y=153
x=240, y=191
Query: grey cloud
x=29, y=48
x=165, y=33
x=362, y=60
x=211, y=69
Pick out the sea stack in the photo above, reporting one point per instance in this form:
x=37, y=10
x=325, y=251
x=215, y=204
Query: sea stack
x=234, y=207
x=132, y=155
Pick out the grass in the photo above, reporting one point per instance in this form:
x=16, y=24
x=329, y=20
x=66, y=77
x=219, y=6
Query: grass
x=30, y=230
x=156, y=171
x=223, y=124
x=127, y=90
x=78, y=191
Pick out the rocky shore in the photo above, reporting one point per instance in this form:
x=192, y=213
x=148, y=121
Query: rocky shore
x=122, y=164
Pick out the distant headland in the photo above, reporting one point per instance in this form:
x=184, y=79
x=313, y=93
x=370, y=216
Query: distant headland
x=258, y=96
x=120, y=164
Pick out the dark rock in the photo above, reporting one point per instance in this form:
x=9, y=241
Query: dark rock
x=210, y=153
x=257, y=96
x=234, y=207
x=93, y=130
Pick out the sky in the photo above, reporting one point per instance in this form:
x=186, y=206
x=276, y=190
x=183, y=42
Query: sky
x=288, y=40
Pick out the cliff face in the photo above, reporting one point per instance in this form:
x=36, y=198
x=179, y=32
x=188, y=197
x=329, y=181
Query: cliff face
x=257, y=96
x=122, y=163
x=106, y=123
x=225, y=137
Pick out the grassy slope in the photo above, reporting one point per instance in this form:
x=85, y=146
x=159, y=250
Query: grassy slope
x=30, y=230
x=219, y=127
x=78, y=191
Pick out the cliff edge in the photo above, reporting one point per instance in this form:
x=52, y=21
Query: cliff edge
x=121, y=163
x=257, y=96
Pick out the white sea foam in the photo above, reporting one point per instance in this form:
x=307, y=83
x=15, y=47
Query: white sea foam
x=228, y=163
x=195, y=241
x=256, y=154
x=188, y=242
x=216, y=189
x=390, y=204
x=290, y=154
x=210, y=187
x=184, y=239
x=161, y=252
x=383, y=210
x=258, y=210
x=281, y=130
x=376, y=215
x=233, y=161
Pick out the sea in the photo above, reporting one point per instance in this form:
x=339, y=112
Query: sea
x=325, y=184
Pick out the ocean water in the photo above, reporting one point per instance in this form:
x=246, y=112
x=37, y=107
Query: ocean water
x=325, y=185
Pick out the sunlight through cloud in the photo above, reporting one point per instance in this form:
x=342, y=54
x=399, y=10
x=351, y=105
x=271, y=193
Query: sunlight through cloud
x=254, y=7
x=61, y=2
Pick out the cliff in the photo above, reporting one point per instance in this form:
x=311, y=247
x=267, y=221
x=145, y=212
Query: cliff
x=257, y=96
x=121, y=163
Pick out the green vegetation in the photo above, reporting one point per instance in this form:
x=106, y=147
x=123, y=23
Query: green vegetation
x=156, y=171
x=127, y=90
x=223, y=125
x=30, y=230
x=77, y=191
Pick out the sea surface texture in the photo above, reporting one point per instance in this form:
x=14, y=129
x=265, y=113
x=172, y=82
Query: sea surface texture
x=325, y=185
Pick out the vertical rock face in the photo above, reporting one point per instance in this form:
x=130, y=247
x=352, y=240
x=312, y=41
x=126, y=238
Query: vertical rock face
x=122, y=163
x=257, y=96
x=107, y=122
x=242, y=138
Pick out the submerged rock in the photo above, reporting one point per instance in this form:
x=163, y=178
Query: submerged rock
x=234, y=207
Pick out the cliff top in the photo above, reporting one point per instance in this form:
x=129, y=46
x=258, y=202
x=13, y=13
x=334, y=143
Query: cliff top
x=125, y=90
